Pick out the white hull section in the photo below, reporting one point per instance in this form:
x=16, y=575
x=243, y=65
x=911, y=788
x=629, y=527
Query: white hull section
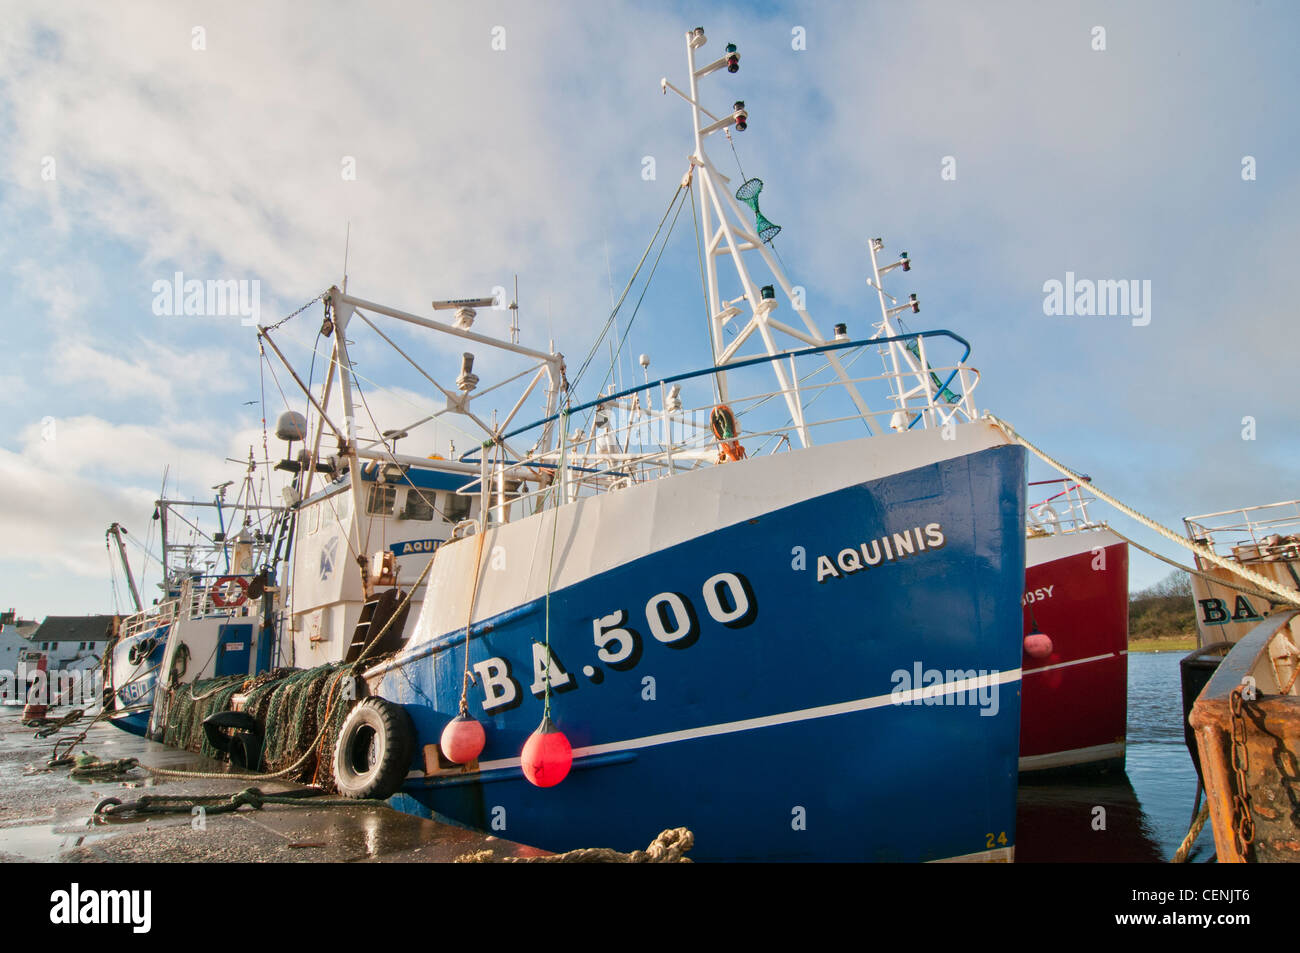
x=601, y=533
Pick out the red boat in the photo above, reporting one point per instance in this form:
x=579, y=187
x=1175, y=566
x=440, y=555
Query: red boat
x=1074, y=709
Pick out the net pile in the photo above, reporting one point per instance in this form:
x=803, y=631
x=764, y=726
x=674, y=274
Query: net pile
x=290, y=706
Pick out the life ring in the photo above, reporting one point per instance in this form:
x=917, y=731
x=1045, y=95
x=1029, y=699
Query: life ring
x=221, y=588
x=725, y=430
x=1047, y=517
x=373, y=754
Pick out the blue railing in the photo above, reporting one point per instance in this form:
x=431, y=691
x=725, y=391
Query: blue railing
x=748, y=362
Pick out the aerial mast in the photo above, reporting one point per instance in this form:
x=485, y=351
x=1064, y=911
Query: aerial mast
x=116, y=531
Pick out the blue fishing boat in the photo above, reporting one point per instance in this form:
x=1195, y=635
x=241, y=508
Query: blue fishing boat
x=776, y=600
x=798, y=637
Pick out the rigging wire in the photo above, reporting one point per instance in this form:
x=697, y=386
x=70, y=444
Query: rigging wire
x=614, y=313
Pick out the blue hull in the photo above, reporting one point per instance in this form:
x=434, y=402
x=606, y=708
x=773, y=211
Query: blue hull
x=135, y=722
x=773, y=733
x=133, y=690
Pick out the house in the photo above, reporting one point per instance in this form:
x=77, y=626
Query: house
x=73, y=641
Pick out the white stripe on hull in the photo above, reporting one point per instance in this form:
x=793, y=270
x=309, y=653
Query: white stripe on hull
x=1064, y=759
x=785, y=718
x=1080, y=661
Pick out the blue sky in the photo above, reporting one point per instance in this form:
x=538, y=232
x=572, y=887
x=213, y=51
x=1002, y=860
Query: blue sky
x=474, y=164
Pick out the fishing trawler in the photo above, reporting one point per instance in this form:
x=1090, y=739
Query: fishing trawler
x=796, y=633
x=212, y=587
x=1263, y=538
x=1239, y=686
x=1074, y=709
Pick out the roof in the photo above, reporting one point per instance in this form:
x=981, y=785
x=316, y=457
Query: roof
x=74, y=628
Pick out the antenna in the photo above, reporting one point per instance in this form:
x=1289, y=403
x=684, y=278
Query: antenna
x=514, y=313
x=347, y=244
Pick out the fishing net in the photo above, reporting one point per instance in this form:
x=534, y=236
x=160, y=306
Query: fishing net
x=748, y=193
x=290, y=706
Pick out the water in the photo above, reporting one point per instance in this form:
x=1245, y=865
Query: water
x=1147, y=810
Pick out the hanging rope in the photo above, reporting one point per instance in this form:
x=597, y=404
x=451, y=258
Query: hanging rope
x=1180, y=856
x=550, y=569
x=473, y=600
x=1289, y=596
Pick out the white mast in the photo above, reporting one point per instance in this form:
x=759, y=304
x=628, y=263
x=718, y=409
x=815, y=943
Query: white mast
x=732, y=236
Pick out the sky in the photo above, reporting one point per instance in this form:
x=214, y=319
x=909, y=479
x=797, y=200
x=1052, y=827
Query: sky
x=452, y=147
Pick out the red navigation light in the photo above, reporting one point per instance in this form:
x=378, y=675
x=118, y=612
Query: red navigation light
x=742, y=117
x=907, y=262
x=916, y=305
x=733, y=58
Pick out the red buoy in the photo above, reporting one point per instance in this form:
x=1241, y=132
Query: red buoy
x=547, y=755
x=1038, y=646
x=462, y=740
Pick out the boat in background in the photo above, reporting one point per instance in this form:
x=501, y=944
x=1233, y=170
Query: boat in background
x=216, y=587
x=1074, y=710
x=1263, y=538
x=1247, y=729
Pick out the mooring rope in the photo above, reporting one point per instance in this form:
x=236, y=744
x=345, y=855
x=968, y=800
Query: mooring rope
x=1188, y=569
x=1289, y=596
x=1180, y=855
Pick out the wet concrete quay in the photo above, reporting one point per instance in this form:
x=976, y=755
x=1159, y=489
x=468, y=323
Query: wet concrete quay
x=45, y=815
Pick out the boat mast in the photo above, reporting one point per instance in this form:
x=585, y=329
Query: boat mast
x=116, y=531
x=732, y=236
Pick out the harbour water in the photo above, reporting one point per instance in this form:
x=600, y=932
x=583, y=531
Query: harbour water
x=1147, y=809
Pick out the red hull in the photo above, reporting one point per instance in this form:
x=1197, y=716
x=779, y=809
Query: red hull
x=1074, y=708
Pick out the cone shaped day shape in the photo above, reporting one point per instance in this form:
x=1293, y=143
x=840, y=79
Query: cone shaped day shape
x=547, y=755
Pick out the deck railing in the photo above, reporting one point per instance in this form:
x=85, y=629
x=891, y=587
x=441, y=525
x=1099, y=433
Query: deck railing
x=1270, y=531
x=1058, y=506
x=650, y=432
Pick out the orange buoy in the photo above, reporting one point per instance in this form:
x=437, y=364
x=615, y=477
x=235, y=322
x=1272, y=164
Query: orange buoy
x=1038, y=646
x=462, y=740
x=547, y=755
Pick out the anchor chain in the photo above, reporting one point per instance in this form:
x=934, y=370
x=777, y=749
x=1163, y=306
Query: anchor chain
x=1244, y=827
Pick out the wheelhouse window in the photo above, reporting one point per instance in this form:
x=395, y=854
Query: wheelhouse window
x=419, y=505
x=381, y=500
x=457, y=508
